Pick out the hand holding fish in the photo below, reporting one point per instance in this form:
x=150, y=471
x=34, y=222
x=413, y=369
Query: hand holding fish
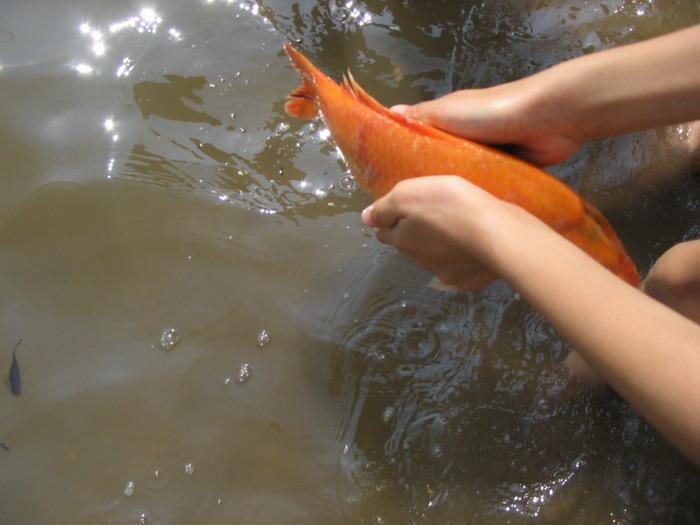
x=425, y=219
x=546, y=117
x=518, y=114
x=503, y=217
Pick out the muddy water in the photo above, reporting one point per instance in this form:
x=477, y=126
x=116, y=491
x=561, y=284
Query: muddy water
x=152, y=182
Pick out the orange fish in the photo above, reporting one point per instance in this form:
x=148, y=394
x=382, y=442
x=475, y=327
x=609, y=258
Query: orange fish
x=382, y=148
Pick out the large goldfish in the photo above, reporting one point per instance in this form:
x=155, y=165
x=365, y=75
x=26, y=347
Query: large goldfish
x=382, y=148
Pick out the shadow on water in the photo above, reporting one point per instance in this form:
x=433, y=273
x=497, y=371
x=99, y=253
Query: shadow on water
x=166, y=100
x=154, y=181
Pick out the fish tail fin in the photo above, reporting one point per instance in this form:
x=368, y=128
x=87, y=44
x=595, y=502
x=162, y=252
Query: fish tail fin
x=303, y=99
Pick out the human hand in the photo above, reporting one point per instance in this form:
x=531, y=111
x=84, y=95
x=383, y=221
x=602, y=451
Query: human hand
x=525, y=115
x=444, y=223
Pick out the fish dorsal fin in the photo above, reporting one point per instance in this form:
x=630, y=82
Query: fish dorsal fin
x=358, y=92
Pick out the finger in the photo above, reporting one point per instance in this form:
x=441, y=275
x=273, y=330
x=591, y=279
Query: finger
x=385, y=235
x=431, y=112
x=382, y=214
x=400, y=108
x=425, y=112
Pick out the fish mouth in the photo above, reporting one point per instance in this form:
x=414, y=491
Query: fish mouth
x=301, y=94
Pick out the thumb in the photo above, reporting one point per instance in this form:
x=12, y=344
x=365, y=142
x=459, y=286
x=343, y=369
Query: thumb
x=424, y=112
x=382, y=214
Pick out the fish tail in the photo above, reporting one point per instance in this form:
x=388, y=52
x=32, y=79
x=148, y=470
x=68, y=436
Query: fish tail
x=303, y=102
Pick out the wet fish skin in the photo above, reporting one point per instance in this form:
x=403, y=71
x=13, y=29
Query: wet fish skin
x=382, y=148
x=14, y=379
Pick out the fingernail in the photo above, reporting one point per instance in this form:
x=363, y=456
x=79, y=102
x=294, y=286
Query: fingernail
x=400, y=109
x=367, y=215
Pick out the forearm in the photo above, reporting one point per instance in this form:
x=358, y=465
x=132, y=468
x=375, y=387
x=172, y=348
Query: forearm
x=648, y=353
x=629, y=88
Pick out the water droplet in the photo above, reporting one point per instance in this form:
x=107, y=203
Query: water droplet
x=169, y=338
x=189, y=469
x=142, y=519
x=244, y=373
x=227, y=381
x=129, y=489
x=347, y=183
x=156, y=473
x=263, y=338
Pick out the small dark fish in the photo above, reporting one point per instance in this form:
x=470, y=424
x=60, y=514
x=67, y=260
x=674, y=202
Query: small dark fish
x=5, y=447
x=14, y=380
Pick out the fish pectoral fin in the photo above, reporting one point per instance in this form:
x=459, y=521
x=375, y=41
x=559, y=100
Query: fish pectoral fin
x=303, y=103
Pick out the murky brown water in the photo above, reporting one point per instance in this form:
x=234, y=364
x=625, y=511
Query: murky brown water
x=151, y=180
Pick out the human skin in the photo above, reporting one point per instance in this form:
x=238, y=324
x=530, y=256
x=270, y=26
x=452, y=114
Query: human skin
x=549, y=115
x=647, y=351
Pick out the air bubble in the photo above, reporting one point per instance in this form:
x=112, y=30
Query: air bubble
x=129, y=489
x=347, y=183
x=244, y=373
x=142, y=519
x=189, y=469
x=169, y=338
x=156, y=473
x=263, y=338
x=227, y=381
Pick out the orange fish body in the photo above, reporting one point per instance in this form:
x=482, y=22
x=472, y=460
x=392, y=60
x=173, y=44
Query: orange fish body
x=383, y=148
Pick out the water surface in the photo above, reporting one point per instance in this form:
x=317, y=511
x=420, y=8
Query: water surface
x=153, y=182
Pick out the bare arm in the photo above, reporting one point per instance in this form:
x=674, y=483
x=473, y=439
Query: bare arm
x=644, y=350
x=647, y=352
x=549, y=115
